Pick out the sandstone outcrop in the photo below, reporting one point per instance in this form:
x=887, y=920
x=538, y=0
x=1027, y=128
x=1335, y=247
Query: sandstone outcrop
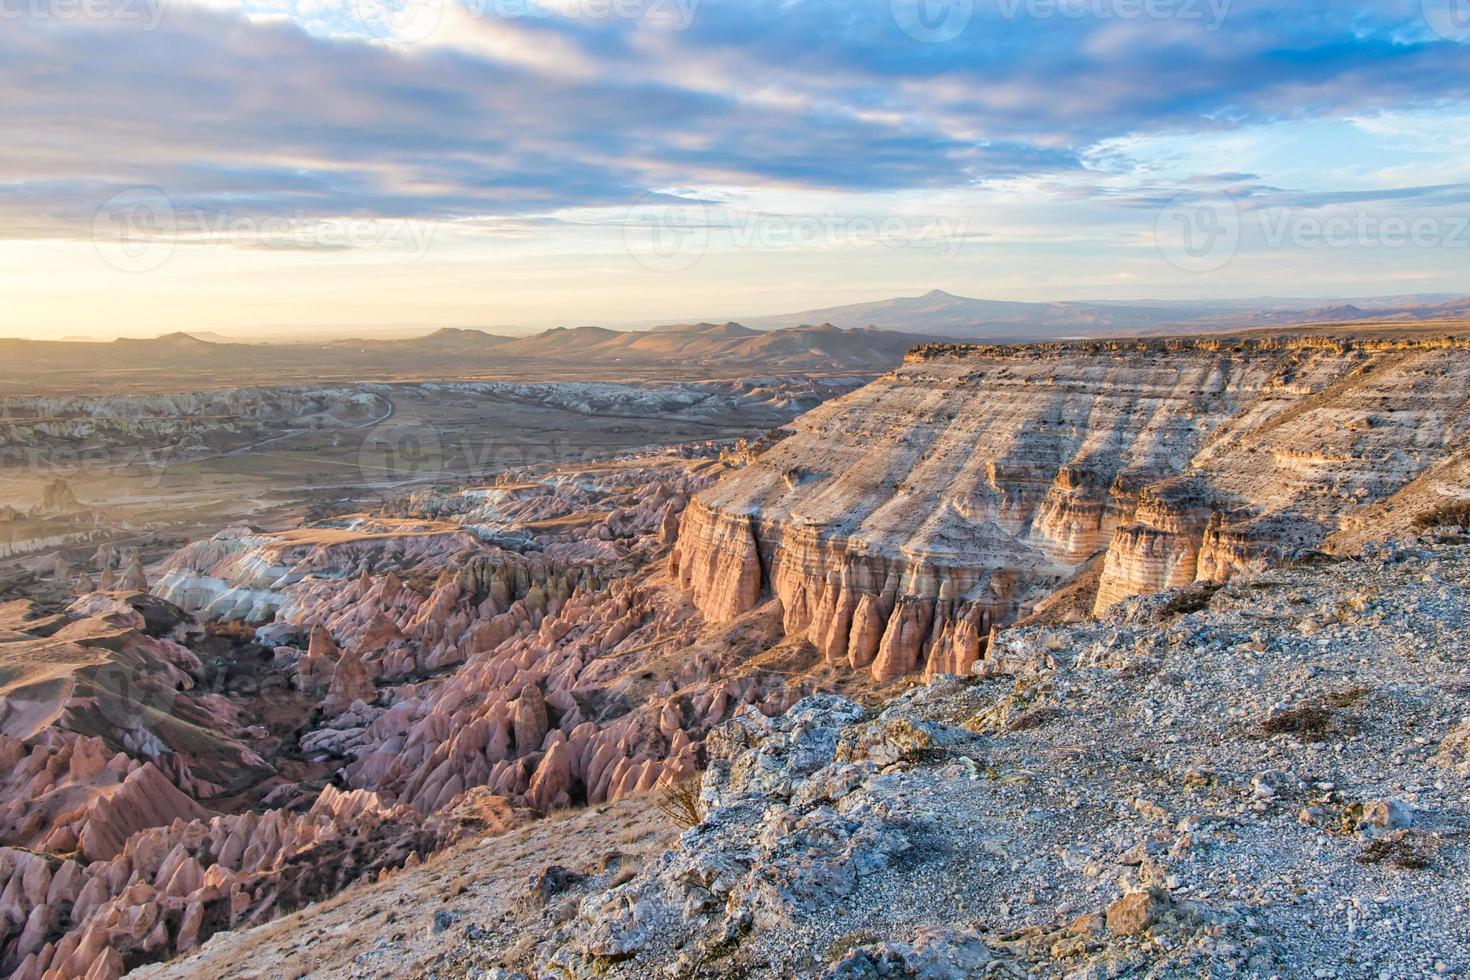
x=901, y=524
x=166, y=887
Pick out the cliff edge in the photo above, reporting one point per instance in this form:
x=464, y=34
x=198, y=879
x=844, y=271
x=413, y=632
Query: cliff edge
x=902, y=523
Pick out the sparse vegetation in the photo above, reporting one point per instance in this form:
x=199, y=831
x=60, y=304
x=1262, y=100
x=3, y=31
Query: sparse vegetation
x=1412, y=850
x=231, y=629
x=848, y=942
x=1453, y=514
x=679, y=801
x=1314, y=721
x=1194, y=599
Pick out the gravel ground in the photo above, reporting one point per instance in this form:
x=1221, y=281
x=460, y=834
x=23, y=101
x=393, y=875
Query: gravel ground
x=410, y=923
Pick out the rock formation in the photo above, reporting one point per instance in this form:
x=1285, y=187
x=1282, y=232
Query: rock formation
x=899, y=525
x=354, y=693
x=1213, y=781
x=462, y=656
x=134, y=579
x=57, y=497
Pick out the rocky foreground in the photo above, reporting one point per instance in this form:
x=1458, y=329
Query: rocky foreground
x=1269, y=778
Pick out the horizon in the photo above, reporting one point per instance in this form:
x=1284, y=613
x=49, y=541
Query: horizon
x=304, y=334
x=566, y=161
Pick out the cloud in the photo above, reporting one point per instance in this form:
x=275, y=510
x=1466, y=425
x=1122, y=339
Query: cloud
x=302, y=109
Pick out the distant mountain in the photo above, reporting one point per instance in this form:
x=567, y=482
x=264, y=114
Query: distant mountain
x=682, y=350
x=215, y=338
x=707, y=344
x=561, y=342
x=861, y=338
x=938, y=313
x=178, y=340
x=445, y=340
x=707, y=329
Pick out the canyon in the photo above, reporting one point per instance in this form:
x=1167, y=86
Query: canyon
x=206, y=740
x=1263, y=779
x=288, y=712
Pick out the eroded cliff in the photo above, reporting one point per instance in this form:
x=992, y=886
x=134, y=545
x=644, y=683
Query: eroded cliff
x=898, y=525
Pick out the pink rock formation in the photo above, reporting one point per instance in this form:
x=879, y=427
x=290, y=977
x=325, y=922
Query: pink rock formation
x=133, y=578
x=460, y=684
x=718, y=561
x=350, y=682
x=169, y=886
x=314, y=670
x=144, y=799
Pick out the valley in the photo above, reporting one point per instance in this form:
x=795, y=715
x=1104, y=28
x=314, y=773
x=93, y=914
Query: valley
x=542, y=603
x=149, y=471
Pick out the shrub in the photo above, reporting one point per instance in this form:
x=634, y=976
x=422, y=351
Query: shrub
x=1456, y=513
x=1309, y=722
x=679, y=801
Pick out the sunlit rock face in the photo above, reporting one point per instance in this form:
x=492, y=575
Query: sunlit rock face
x=899, y=524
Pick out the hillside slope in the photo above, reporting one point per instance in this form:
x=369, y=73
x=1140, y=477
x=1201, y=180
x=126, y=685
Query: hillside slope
x=688, y=352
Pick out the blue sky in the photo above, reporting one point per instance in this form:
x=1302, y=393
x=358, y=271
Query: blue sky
x=332, y=163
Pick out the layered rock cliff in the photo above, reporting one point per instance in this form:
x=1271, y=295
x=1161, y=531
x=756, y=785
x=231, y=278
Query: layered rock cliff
x=898, y=525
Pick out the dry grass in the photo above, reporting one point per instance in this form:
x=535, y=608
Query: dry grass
x=1308, y=722
x=1411, y=850
x=680, y=803
x=1453, y=514
x=1195, y=598
x=231, y=630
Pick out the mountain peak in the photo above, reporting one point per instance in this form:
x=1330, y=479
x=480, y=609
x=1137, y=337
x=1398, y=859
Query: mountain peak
x=176, y=339
x=461, y=337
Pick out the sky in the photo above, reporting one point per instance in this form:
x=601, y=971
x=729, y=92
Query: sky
x=251, y=167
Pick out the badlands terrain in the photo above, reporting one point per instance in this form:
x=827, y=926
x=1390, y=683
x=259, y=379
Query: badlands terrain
x=1097, y=658
x=153, y=470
